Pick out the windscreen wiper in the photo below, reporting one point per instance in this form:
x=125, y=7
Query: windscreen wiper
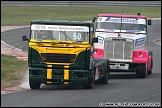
x=66, y=36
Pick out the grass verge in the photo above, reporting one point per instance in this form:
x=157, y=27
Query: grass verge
x=21, y=15
x=12, y=71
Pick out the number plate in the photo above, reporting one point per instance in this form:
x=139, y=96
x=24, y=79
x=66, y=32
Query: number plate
x=119, y=66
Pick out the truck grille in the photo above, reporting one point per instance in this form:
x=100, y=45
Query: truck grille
x=118, y=48
x=58, y=58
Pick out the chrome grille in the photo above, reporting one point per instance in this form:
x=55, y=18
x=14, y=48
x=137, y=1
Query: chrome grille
x=116, y=49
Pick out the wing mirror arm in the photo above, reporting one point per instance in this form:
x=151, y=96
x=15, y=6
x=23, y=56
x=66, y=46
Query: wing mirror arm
x=95, y=40
x=149, y=21
x=24, y=38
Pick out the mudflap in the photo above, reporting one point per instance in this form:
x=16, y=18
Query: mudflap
x=102, y=69
x=150, y=62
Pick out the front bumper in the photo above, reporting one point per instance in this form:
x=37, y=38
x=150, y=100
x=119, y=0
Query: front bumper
x=123, y=66
x=58, y=76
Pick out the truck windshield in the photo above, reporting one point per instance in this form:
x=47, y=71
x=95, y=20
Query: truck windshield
x=116, y=24
x=60, y=33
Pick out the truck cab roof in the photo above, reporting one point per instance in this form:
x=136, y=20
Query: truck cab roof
x=61, y=22
x=122, y=15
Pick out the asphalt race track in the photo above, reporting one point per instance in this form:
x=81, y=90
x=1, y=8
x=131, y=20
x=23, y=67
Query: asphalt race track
x=122, y=89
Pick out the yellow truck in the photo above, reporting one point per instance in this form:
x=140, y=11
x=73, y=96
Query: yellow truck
x=61, y=52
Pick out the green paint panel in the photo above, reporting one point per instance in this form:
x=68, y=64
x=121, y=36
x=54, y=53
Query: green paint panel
x=34, y=58
x=82, y=61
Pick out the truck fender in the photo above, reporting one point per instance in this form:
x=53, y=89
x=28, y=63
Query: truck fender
x=93, y=68
x=140, y=56
x=150, y=61
x=103, y=62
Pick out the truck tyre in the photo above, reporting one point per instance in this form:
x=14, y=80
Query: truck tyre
x=150, y=54
x=89, y=85
x=149, y=72
x=34, y=85
x=104, y=80
x=108, y=72
x=142, y=71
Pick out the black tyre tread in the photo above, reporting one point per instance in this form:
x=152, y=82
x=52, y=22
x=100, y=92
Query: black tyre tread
x=149, y=72
x=89, y=85
x=104, y=80
x=34, y=85
x=141, y=72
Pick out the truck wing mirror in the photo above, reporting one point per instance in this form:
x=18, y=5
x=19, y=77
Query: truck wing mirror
x=93, y=20
x=24, y=38
x=95, y=40
x=149, y=21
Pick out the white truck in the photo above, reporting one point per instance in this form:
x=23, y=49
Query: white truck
x=123, y=40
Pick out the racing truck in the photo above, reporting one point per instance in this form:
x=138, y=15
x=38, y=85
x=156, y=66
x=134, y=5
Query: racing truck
x=123, y=39
x=61, y=52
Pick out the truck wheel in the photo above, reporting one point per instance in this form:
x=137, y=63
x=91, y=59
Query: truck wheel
x=108, y=72
x=149, y=72
x=104, y=80
x=150, y=54
x=89, y=85
x=34, y=85
x=142, y=71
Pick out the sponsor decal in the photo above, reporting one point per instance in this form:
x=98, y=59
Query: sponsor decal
x=139, y=41
x=96, y=73
x=139, y=47
x=59, y=28
x=109, y=30
x=133, y=30
x=100, y=39
x=53, y=49
x=124, y=20
x=99, y=19
x=40, y=27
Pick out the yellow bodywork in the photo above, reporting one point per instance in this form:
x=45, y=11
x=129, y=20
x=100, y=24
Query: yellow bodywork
x=73, y=48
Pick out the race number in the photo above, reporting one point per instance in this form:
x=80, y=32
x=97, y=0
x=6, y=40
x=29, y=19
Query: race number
x=77, y=36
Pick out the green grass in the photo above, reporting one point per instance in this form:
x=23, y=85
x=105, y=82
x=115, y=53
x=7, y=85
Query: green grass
x=20, y=15
x=12, y=70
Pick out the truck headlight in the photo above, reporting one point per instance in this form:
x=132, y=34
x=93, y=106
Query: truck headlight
x=95, y=51
x=140, y=54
